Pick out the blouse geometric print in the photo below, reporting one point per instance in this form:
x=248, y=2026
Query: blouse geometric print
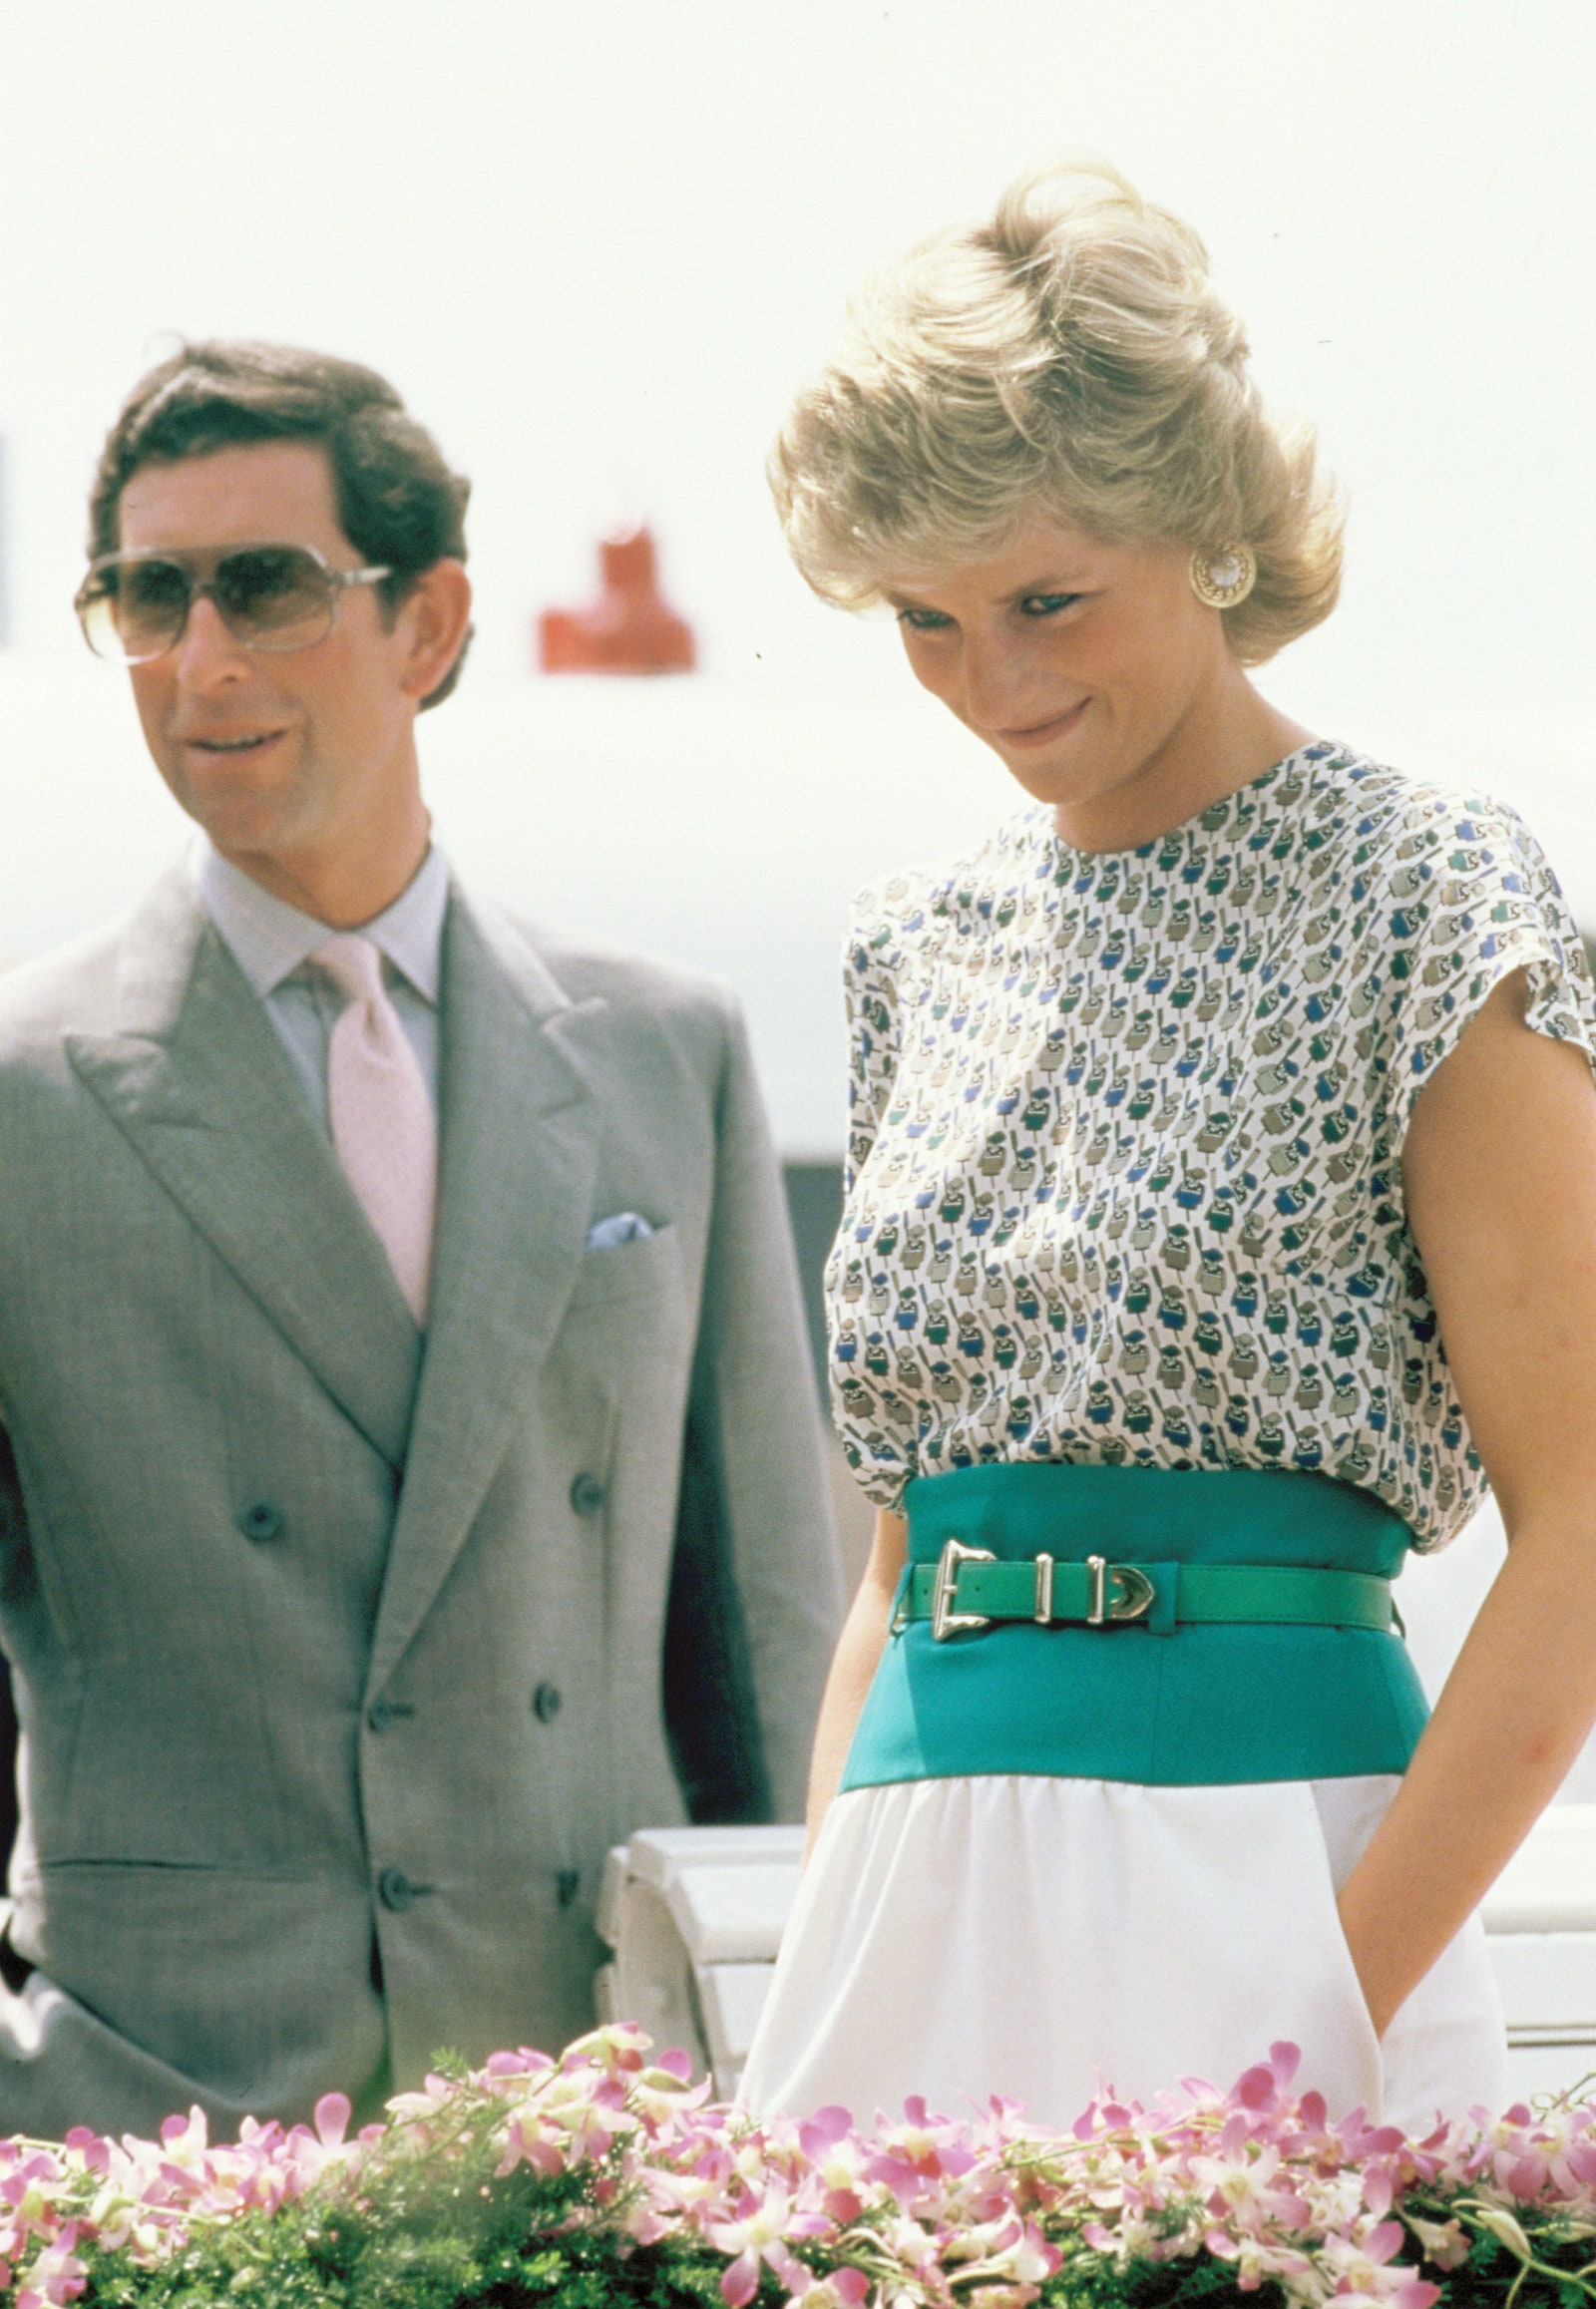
x=1124, y=1165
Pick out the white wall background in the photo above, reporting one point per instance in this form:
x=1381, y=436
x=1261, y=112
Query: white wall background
x=596, y=245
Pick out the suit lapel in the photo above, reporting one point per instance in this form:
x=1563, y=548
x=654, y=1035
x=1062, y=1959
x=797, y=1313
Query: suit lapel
x=518, y=1162
x=199, y=1085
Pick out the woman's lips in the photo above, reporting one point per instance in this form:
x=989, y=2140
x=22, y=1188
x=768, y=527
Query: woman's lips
x=1042, y=734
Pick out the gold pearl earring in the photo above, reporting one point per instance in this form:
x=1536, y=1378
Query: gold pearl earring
x=1224, y=579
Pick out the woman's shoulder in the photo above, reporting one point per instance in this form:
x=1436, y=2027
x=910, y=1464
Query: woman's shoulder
x=1398, y=824
x=1440, y=891
x=1426, y=887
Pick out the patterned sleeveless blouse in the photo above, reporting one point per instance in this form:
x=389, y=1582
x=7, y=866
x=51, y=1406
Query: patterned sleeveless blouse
x=1124, y=1177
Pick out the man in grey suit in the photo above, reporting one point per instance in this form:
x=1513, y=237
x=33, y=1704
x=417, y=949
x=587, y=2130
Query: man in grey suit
x=413, y=1480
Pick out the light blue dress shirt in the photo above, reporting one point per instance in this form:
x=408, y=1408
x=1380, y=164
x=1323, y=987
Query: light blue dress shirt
x=272, y=943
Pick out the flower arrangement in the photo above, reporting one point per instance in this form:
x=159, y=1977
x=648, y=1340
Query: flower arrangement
x=606, y=2177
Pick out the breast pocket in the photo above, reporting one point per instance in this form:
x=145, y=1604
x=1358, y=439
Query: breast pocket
x=628, y=1323
x=635, y=1270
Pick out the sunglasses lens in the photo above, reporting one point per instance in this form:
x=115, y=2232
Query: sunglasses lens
x=97, y=613
x=274, y=597
x=135, y=609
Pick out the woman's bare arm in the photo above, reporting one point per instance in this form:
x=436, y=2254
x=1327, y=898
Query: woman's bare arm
x=1499, y=1174
x=859, y=1647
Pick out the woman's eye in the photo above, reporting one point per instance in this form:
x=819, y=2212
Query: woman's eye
x=924, y=620
x=1047, y=605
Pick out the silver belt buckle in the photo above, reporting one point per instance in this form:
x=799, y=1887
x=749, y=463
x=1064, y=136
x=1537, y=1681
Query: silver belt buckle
x=944, y=1621
x=1133, y=1596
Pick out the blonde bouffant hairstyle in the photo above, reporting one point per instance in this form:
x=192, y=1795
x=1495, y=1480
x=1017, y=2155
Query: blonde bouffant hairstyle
x=1069, y=358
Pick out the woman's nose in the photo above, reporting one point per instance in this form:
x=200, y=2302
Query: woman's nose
x=995, y=678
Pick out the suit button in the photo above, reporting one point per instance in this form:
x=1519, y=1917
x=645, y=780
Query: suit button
x=261, y=1519
x=395, y=1890
x=545, y=1703
x=587, y=1495
x=568, y=1883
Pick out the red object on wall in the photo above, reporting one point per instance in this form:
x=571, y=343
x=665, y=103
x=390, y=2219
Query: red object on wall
x=627, y=630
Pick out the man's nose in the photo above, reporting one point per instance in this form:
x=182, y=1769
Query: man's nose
x=209, y=655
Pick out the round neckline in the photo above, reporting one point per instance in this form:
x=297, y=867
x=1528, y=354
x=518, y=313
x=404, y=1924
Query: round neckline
x=1319, y=748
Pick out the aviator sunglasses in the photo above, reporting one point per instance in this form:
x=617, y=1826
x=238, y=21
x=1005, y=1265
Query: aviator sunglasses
x=134, y=606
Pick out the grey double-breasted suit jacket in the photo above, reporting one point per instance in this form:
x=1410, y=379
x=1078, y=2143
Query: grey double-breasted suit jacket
x=342, y=1654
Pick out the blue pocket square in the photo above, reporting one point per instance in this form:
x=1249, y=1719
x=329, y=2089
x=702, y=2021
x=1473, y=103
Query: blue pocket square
x=624, y=1227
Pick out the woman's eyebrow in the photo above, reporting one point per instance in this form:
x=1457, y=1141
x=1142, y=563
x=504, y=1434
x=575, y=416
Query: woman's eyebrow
x=1047, y=584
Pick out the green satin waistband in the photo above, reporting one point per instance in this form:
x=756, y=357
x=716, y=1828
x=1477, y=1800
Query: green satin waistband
x=1159, y=1700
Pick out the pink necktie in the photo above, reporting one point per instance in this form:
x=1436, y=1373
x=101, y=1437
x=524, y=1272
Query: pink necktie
x=384, y=1132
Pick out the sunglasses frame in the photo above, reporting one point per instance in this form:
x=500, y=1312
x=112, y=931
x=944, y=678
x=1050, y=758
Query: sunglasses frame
x=193, y=566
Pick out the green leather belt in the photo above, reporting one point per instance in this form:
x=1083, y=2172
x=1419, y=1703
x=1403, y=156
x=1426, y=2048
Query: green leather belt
x=1164, y=1626
x=968, y=1588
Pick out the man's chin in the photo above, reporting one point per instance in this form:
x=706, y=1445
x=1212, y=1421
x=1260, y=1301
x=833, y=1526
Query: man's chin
x=235, y=809
x=242, y=829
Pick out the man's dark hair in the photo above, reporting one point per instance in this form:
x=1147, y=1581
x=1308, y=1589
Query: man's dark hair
x=398, y=502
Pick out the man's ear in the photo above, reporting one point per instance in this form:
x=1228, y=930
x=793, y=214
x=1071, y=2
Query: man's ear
x=434, y=618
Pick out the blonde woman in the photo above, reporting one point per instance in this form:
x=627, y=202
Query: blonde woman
x=1223, y=1152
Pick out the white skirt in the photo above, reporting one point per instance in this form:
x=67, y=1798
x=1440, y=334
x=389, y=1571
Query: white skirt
x=1048, y=1939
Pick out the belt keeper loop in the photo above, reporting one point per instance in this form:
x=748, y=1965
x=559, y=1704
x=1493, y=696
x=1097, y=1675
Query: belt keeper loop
x=1045, y=1590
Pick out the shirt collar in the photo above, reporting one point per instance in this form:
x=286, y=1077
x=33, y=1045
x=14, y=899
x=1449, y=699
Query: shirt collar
x=270, y=940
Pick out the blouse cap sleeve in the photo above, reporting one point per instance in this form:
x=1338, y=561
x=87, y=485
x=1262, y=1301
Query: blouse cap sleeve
x=1478, y=902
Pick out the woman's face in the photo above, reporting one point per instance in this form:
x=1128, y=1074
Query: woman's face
x=1089, y=667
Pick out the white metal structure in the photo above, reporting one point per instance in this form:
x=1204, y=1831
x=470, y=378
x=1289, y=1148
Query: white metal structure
x=1541, y=1918
x=695, y=1916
